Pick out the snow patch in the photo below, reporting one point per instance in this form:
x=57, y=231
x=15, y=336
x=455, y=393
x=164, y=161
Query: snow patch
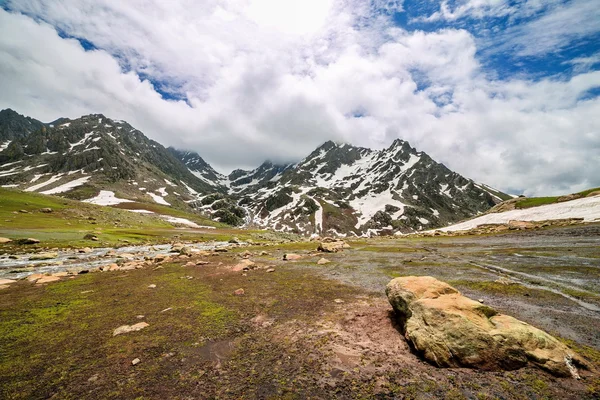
x=106, y=198
x=68, y=186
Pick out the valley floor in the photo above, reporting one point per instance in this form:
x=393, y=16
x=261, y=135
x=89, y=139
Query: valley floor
x=299, y=330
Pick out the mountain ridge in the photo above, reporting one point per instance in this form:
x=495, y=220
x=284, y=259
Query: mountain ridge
x=337, y=189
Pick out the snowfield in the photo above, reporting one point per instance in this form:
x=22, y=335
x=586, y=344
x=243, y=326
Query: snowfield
x=67, y=186
x=587, y=208
x=106, y=198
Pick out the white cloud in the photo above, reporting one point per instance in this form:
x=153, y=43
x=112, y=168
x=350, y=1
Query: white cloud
x=257, y=89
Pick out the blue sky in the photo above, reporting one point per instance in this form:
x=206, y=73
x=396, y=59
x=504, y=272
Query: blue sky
x=505, y=92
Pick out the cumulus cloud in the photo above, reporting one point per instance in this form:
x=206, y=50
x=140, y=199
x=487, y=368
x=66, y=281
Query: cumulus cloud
x=258, y=83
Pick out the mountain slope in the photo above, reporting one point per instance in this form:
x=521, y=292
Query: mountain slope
x=77, y=158
x=341, y=189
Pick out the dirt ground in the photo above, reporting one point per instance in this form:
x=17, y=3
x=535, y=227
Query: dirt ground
x=302, y=331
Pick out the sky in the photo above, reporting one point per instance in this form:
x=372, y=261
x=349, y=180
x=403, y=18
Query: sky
x=503, y=92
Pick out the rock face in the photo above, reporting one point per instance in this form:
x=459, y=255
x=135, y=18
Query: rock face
x=451, y=330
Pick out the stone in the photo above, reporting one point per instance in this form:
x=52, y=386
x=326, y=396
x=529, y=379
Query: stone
x=46, y=210
x=323, y=261
x=239, y=292
x=271, y=270
x=47, y=279
x=28, y=241
x=130, y=328
x=34, y=277
x=85, y=250
x=6, y=281
x=135, y=361
x=161, y=257
x=91, y=237
x=451, y=330
x=234, y=240
x=24, y=211
x=4, y=240
x=152, y=286
x=244, y=265
x=332, y=246
x=44, y=256
x=202, y=263
x=186, y=251
x=338, y=301
x=291, y=257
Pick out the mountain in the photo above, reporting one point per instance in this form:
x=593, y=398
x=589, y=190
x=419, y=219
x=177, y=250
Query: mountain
x=338, y=189
x=341, y=189
x=77, y=158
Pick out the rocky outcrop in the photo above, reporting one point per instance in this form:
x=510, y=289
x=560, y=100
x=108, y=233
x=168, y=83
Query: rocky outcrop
x=451, y=330
x=332, y=246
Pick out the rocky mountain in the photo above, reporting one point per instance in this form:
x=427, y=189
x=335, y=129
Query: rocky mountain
x=338, y=189
x=341, y=189
x=77, y=158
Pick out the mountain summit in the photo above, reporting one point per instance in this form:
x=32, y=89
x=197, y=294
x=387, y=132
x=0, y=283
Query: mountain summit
x=338, y=189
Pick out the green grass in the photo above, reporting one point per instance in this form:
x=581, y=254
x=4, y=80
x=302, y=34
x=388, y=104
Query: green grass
x=71, y=220
x=540, y=201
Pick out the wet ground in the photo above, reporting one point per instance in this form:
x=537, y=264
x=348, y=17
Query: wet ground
x=550, y=278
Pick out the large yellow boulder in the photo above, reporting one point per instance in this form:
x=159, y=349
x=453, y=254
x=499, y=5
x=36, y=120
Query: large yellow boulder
x=451, y=330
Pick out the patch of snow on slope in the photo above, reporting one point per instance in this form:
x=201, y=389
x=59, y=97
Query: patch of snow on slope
x=65, y=125
x=4, y=145
x=67, y=186
x=369, y=205
x=162, y=191
x=82, y=141
x=318, y=216
x=106, y=198
x=587, y=208
x=45, y=183
x=180, y=221
x=142, y=211
x=158, y=199
x=189, y=189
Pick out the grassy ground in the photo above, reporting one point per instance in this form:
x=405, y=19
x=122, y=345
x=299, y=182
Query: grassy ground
x=540, y=201
x=70, y=221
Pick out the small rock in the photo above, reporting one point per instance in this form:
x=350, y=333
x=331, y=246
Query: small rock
x=46, y=210
x=91, y=237
x=291, y=257
x=24, y=211
x=160, y=257
x=34, y=277
x=186, y=251
x=136, y=361
x=6, y=281
x=271, y=270
x=239, y=292
x=202, y=262
x=152, y=286
x=338, y=301
x=47, y=279
x=244, y=265
x=323, y=261
x=167, y=309
x=139, y=316
x=480, y=300
x=93, y=378
x=130, y=328
x=85, y=250
x=234, y=240
x=28, y=241
x=44, y=256
x=4, y=240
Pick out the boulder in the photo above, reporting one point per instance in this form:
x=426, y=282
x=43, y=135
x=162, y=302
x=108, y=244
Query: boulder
x=44, y=256
x=28, y=241
x=91, y=237
x=451, y=330
x=6, y=281
x=46, y=210
x=47, y=279
x=332, y=246
x=4, y=240
x=130, y=328
x=186, y=251
x=34, y=277
x=291, y=257
x=244, y=265
x=323, y=261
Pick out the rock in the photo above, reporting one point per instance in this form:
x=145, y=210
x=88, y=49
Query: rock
x=6, y=281
x=4, y=240
x=186, y=251
x=34, y=277
x=85, y=250
x=202, y=263
x=264, y=253
x=291, y=257
x=234, y=240
x=44, y=256
x=569, y=197
x=130, y=328
x=46, y=210
x=332, y=246
x=152, y=286
x=271, y=270
x=239, y=292
x=160, y=257
x=28, y=241
x=24, y=211
x=244, y=265
x=220, y=250
x=451, y=330
x=91, y=237
x=323, y=261
x=135, y=361
x=521, y=225
x=190, y=264
x=47, y=279
x=338, y=301
x=93, y=378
